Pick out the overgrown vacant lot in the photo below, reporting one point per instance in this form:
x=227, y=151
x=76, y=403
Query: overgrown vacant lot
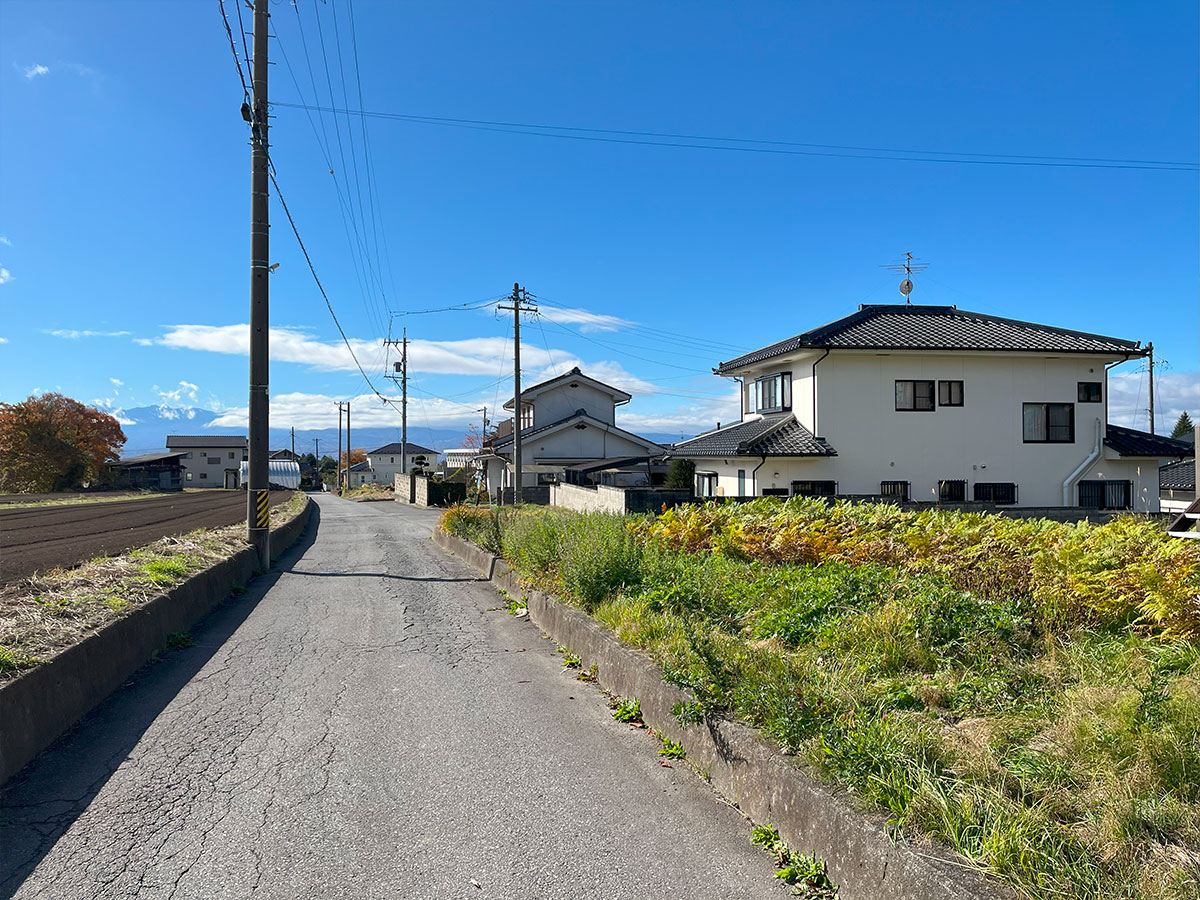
x=1026, y=691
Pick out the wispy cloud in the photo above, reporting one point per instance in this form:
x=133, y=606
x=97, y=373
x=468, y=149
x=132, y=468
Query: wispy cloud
x=34, y=71
x=587, y=321
x=117, y=382
x=5, y=275
x=3, y=340
x=472, y=356
x=5, y=241
x=1174, y=392
x=185, y=391
x=312, y=411
x=72, y=335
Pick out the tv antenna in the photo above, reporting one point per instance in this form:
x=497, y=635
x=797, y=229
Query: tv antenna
x=908, y=267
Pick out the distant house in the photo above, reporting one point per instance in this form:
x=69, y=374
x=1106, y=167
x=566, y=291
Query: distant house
x=149, y=471
x=1177, y=485
x=933, y=404
x=359, y=474
x=565, y=420
x=385, y=462
x=459, y=458
x=210, y=460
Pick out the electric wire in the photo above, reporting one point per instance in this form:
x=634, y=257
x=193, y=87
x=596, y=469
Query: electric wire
x=783, y=148
x=233, y=47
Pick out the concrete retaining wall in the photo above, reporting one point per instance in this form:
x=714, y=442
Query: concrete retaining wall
x=43, y=703
x=866, y=860
x=604, y=498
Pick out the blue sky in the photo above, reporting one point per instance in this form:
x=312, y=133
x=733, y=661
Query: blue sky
x=124, y=192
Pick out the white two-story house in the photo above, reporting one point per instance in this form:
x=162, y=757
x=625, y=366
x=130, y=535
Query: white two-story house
x=565, y=420
x=933, y=403
x=210, y=460
x=384, y=463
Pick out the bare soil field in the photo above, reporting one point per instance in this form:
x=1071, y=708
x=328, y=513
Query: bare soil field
x=34, y=539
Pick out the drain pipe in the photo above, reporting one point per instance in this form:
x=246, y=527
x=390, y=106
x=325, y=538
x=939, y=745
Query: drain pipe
x=754, y=473
x=1092, y=457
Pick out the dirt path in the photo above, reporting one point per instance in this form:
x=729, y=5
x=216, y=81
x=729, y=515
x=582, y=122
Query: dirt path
x=38, y=538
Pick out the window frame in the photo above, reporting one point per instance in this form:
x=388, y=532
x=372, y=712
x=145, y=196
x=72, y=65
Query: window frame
x=1047, y=425
x=913, y=382
x=949, y=385
x=819, y=488
x=889, y=490
x=1080, y=392
x=993, y=489
x=947, y=487
x=1103, y=484
x=781, y=389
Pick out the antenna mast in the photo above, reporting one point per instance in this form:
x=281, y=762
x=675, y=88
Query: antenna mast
x=908, y=268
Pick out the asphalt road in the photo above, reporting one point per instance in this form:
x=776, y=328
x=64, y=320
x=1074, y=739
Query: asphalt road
x=361, y=725
x=36, y=538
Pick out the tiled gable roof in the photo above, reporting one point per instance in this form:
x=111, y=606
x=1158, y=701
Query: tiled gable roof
x=1131, y=442
x=207, y=440
x=394, y=447
x=527, y=433
x=896, y=327
x=1178, y=476
x=779, y=435
x=575, y=374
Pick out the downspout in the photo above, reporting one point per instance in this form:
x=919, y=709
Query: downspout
x=1092, y=457
x=816, y=430
x=754, y=476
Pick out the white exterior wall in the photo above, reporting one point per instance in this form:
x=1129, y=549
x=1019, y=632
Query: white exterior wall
x=563, y=400
x=198, y=464
x=590, y=442
x=386, y=466
x=979, y=441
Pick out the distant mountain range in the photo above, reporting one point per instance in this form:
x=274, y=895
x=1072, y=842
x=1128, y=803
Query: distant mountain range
x=152, y=424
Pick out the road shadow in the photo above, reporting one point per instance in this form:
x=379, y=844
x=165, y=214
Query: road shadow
x=39, y=803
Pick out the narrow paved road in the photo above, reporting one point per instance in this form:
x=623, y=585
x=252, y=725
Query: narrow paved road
x=360, y=724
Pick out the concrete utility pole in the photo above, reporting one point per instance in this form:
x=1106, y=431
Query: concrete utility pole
x=338, y=458
x=1150, y=353
x=258, y=519
x=348, y=462
x=520, y=303
x=402, y=368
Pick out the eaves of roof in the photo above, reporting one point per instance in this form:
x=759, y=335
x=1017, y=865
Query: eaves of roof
x=778, y=435
x=578, y=414
x=1131, y=442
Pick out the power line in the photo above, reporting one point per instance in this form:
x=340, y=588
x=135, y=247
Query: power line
x=784, y=148
x=233, y=47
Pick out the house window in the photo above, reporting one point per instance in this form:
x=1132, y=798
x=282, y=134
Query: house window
x=950, y=393
x=741, y=482
x=1089, y=392
x=1048, y=423
x=526, y=415
x=814, y=488
x=1106, y=494
x=772, y=393
x=393, y=459
x=203, y=474
x=952, y=491
x=914, y=396
x=231, y=456
x=189, y=476
x=214, y=460
x=706, y=484
x=894, y=490
x=1001, y=493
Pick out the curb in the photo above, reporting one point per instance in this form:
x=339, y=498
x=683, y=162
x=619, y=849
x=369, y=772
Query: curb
x=865, y=859
x=40, y=705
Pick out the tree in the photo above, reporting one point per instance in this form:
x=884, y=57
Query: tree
x=54, y=443
x=1183, y=427
x=681, y=475
x=357, y=455
x=473, y=438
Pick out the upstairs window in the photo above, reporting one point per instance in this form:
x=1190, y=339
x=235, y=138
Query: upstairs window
x=950, y=393
x=1089, y=392
x=772, y=393
x=914, y=396
x=1048, y=423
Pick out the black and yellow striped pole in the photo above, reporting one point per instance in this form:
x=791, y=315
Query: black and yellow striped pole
x=257, y=495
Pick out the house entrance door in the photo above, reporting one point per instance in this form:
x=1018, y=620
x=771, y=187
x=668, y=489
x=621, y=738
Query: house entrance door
x=231, y=479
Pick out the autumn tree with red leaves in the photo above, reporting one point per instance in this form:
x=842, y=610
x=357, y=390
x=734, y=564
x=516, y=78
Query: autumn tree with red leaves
x=357, y=455
x=54, y=443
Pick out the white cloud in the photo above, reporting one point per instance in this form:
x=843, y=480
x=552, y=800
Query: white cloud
x=185, y=391
x=472, y=356
x=608, y=372
x=587, y=321
x=5, y=275
x=115, y=411
x=1174, y=392
x=73, y=335
x=34, y=71
x=688, y=418
x=117, y=384
x=313, y=411
x=5, y=241
x=3, y=340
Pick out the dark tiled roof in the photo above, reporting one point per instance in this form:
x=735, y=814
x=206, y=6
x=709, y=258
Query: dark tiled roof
x=1131, y=442
x=147, y=458
x=779, y=435
x=207, y=440
x=413, y=449
x=578, y=414
x=889, y=327
x=1178, y=476
x=360, y=467
x=574, y=373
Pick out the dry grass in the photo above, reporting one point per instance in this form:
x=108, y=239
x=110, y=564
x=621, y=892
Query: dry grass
x=43, y=615
x=368, y=492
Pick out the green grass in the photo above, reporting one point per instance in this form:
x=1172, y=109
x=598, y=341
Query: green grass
x=1027, y=692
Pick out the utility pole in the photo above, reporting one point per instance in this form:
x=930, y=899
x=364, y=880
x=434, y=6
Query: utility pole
x=258, y=518
x=520, y=303
x=317, y=451
x=293, y=442
x=402, y=368
x=348, y=463
x=1150, y=354
x=337, y=469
